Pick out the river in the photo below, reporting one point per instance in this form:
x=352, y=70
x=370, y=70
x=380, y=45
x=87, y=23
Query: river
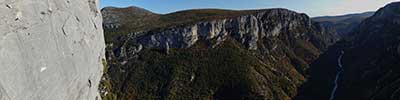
x=340, y=67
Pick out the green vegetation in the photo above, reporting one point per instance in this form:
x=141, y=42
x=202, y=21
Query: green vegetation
x=224, y=73
x=158, y=22
x=228, y=71
x=105, y=84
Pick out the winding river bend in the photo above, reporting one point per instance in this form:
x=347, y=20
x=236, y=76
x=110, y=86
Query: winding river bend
x=340, y=67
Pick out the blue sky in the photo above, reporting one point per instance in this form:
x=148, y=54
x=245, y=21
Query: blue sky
x=311, y=7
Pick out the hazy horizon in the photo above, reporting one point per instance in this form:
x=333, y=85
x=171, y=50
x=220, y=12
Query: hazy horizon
x=312, y=8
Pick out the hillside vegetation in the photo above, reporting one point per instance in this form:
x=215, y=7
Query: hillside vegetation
x=210, y=54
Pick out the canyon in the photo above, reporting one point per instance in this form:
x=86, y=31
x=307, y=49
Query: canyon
x=72, y=50
x=249, y=54
x=226, y=54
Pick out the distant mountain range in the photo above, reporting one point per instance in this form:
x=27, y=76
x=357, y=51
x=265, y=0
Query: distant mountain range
x=343, y=24
x=370, y=61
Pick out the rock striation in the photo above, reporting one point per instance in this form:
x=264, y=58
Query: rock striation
x=248, y=30
x=50, y=49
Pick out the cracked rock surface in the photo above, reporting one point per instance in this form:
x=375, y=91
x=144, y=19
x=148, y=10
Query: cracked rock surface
x=50, y=49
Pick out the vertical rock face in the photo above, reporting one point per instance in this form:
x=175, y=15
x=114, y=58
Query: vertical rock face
x=248, y=30
x=50, y=49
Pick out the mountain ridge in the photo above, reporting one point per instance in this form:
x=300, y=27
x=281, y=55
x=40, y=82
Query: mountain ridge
x=345, y=16
x=192, y=16
x=378, y=37
x=343, y=24
x=370, y=62
x=260, y=54
x=278, y=44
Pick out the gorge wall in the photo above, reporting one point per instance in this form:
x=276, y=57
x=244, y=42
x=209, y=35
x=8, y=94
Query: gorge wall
x=370, y=62
x=50, y=49
x=249, y=30
x=210, y=54
x=374, y=72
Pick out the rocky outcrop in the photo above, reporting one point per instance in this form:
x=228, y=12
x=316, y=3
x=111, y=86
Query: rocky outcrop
x=50, y=49
x=248, y=30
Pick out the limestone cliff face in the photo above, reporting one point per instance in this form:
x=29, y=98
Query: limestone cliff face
x=50, y=49
x=274, y=24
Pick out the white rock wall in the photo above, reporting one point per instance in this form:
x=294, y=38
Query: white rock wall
x=50, y=49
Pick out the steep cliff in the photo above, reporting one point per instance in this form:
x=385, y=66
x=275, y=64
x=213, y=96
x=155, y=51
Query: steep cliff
x=50, y=49
x=213, y=54
x=370, y=62
x=247, y=29
x=373, y=59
